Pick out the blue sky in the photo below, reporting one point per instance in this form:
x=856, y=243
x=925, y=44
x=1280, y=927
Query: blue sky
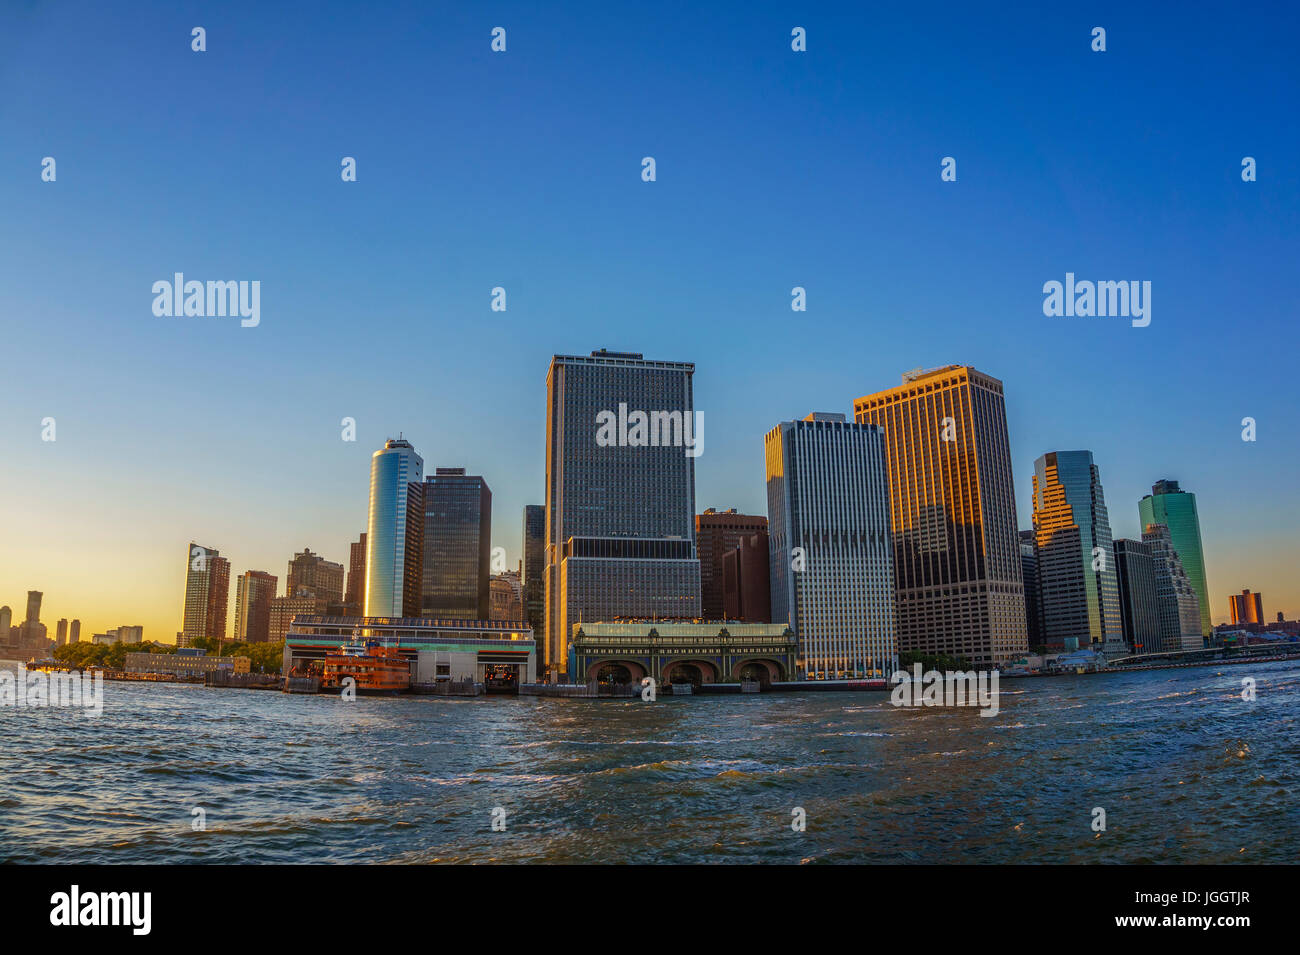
x=522, y=170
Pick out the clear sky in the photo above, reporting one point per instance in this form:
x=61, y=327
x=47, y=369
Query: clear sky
x=522, y=170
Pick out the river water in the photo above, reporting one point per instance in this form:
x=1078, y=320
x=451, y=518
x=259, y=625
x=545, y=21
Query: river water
x=1185, y=770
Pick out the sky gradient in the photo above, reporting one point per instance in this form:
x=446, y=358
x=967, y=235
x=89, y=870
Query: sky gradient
x=522, y=170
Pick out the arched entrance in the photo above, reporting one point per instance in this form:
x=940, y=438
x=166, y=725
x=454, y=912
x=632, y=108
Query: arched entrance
x=694, y=672
x=615, y=672
x=763, y=672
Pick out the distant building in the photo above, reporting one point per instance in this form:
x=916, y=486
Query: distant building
x=621, y=440
x=746, y=580
x=254, y=592
x=61, y=632
x=1175, y=508
x=1246, y=607
x=393, y=576
x=130, y=635
x=6, y=621
x=1033, y=593
x=183, y=664
x=716, y=533
x=456, y=545
x=74, y=633
x=535, y=566
x=355, y=594
x=312, y=574
x=1177, y=604
x=831, y=559
x=1135, y=572
x=284, y=609
x=507, y=597
x=207, y=593
x=952, y=501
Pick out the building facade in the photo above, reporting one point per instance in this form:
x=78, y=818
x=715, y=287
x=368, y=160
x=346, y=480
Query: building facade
x=1076, y=555
x=534, y=580
x=312, y=574
x=1246, y=607
x=1175, y=508
x=355, y=593
x=392, y=573
x=716, y=533
x=960, y=588
x=207, y=593
x=456, y=546
x=830, y=549
x=621, y=439
x=1033, y=592
x=746, y=580
x=694, y=653
x=254, y=591
x=1138, y=604
x=1178, y=606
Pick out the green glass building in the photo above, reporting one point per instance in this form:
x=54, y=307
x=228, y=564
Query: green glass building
x=1175, y=508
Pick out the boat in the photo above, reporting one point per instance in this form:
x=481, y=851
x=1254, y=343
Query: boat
x=373, y=668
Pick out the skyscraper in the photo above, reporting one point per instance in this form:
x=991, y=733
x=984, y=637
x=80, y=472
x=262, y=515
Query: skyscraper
x=74, y=633
x=390, y=575
x=207, y=593
x=830, y=549
x=960, y=588
x=1139, y=607
x=34, y=606
x=1076, y=555
x=313, y=574
x=6, y=621
x=620, y=501
x=534, y=581
x=1177, y=605
x=456, y=546
x=1246, y=607
x=61, y=632
x=355, y=596
x=717, y=532
x=1033, y=591
x=747, y=580
x=254, y=591
x=1167, y=504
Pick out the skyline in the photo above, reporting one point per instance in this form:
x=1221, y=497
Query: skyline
x=522, y=170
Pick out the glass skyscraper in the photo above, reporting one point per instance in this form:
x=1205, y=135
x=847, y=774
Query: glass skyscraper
x=392, y=576
x=1076, y=555
x=1139, y=608
x=456, y=546
x=1177, y=605
x=830, y=548
x=620, y=501
x=952, y=503
x=1167, y=504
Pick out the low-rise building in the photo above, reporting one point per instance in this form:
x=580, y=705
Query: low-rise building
x=667, y=651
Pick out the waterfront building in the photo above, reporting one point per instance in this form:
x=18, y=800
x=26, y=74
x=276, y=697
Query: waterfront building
x=746, y=580
x=1033, y=592
x=1139, y=606
x=507, y=597
x=960, y=589
x=831, y=557
x=716, y=533
x=254, y=591
x=1076, y=555
x=535, y=566
x=312, y=574
x=1175, y=508
x=456, y=545
x=194, y=663
x=393, y=575
x=437, y=650
x=355, y=594
x=620, y=501
x=1177, y=604
x=1246, y=607
x=676, y=652
x=207, y=593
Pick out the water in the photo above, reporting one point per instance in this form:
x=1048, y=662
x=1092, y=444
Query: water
x=1185, y=770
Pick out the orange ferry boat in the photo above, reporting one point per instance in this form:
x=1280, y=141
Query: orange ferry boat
x=374, y=668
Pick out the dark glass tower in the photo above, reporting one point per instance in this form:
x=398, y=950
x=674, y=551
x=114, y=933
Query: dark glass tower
x=1139, y=610
x=457, y=546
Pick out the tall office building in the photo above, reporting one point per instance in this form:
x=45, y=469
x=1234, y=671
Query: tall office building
x=1177, y=605
x=621, y=436
x=254, y=591
x=747, y=580
x=535, y=567
x=960, y=588
x=1167, y=504
x=1139, y=607
x=355, y=595
x=831, y=554
x=6, y=621
x=717, y=532
x=313, y=574
x=207, y=593
x=74, y=633
x=1076, y=555
x=1246, y=607
x=392, y=578
x=61, y=632
x=34, y=606
x=456, y=546
x=1033, y=593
